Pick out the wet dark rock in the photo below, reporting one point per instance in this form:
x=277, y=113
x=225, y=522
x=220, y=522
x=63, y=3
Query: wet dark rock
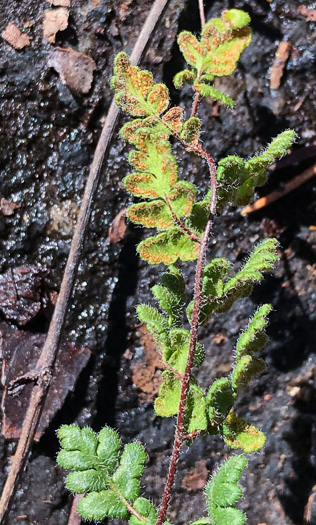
x=46, y=148
x=20, y=293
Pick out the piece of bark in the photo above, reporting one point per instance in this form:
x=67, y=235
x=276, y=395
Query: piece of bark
x=7, y=208
x=147, y=375
x=219, y=338
x=54, y=20
x=118, y=227
x=75, y=69
x=61, y=3
x=20, y=293
x=308, y=14
x=20, y=352
x=198, y=478
x=277, y=69
x=123, y=12
x=14, y=36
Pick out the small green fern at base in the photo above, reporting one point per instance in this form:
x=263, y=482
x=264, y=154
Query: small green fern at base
x=222, y=492
x=108, y=478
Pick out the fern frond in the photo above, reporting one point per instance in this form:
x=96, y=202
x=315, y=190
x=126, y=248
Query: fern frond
x=167, y=402
x=223, y=491
x=238, y=179
x=254, y=338
x=237, y=433
x=215, y=54
x=210, y=91
x=171, y=295
x=191, y=130
x=218, y=296
x=107, y=477
x=220, y=399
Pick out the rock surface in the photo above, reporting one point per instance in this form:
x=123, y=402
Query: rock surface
x=47, y=143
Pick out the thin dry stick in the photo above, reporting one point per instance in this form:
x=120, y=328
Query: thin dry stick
x=49, y=352
x=308, y=507
x=277, y=194
x=179, y=434
x=197, y=95
x=202, y=13
x=74, y=517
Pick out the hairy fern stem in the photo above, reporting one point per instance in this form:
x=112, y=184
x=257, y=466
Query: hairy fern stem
x=179, y=434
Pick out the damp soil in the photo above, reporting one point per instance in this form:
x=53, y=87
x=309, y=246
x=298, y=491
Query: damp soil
x=48, y=136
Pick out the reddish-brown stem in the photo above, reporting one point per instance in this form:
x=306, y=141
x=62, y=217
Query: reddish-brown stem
x=134, y=512
x=175, y=372
x=195, y=104
x=178, y=221
x=179, y=435
x=197, y=95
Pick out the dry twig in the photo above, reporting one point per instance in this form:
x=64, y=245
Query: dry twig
x=281, y=58
x=277, y=194
x=308, y=507
x=202, y=13
x=74, y=517
x=49, y=352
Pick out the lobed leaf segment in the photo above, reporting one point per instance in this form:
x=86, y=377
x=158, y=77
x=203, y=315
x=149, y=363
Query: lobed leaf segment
x=238, y=178
x=219, y=293
x=211, y=413
x=222, y=492
x=215, y=54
